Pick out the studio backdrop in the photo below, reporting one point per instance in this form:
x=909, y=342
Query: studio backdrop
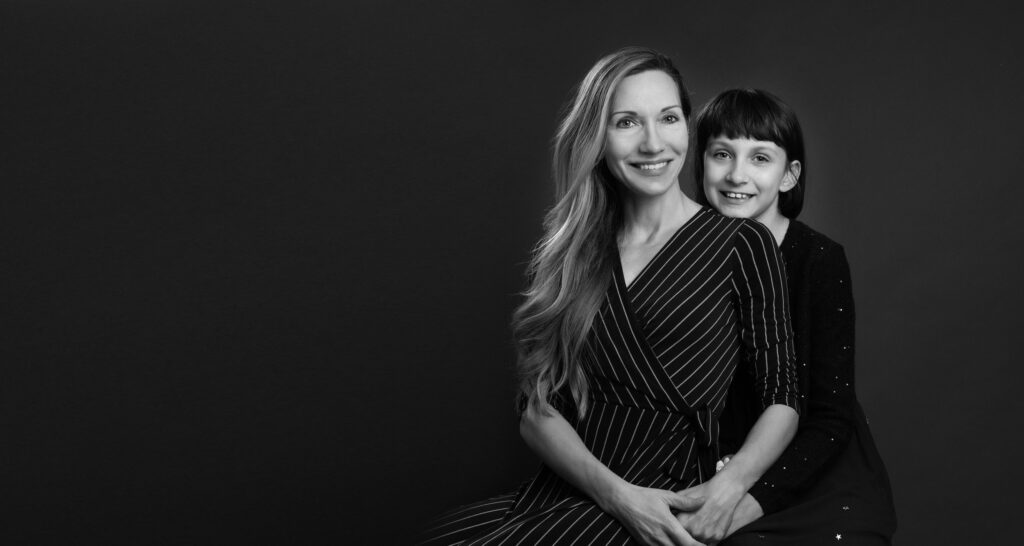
x=259, y=258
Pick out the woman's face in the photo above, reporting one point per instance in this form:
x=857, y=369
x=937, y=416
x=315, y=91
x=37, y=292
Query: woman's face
x=743, y=177
x=646, y=138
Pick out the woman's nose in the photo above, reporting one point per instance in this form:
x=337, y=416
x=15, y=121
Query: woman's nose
x=652, y=142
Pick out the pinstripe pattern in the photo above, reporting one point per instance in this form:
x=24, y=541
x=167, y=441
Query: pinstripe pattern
x=659, y=360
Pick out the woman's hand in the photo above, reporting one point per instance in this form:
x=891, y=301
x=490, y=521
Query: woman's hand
x=712, y=522
x=647, y=515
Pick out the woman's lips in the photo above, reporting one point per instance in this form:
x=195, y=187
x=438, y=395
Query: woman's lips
x=651, y=167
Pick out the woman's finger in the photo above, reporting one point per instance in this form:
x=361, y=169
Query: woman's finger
x=684, y=503
x=679, y=536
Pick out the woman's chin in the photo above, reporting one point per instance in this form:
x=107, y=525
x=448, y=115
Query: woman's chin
x=650, y=187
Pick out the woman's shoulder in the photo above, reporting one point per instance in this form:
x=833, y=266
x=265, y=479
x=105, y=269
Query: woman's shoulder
x=742, y=229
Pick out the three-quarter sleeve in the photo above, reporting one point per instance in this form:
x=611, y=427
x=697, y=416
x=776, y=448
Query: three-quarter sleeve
x=827, y=424
x=763, y=301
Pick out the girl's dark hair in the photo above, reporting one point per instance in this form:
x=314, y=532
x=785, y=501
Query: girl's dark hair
x=757, y=115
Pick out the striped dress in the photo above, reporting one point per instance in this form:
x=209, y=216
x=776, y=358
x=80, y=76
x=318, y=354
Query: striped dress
x=659, y=360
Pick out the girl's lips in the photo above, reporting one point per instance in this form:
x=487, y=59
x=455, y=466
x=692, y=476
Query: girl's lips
x=736, y=196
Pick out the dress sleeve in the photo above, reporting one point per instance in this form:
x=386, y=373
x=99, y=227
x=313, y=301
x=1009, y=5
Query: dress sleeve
x=828, y=422
x=766, y=332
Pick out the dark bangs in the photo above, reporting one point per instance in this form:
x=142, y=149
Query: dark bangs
x=757, y=115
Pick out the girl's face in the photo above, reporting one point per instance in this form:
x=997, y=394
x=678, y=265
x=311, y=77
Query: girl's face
x=646, y=138
x=743, y=177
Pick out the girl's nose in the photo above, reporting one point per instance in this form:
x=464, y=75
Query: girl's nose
x=736, y=174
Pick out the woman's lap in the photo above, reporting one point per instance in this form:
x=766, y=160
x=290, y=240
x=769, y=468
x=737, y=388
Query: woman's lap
x=468, y=521
x=580, y=523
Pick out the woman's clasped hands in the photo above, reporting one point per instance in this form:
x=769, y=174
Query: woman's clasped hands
x=650, y=515
x=713, y=520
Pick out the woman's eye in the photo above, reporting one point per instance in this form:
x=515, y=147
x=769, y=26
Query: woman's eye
x=671, y=118
x=625, y=123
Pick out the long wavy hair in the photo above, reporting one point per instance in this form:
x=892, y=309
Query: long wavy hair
x=571, y=267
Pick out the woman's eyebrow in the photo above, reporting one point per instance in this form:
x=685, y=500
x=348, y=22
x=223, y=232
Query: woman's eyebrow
x=631, y=112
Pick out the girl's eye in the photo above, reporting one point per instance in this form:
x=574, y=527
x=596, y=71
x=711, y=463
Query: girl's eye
x=720, y=154
x=625, y=123
x=762, y=158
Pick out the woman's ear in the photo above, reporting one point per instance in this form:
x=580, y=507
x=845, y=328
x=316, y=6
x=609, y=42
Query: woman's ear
x=791, y=177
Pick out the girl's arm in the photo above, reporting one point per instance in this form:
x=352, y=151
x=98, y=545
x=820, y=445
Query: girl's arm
x=645, y=512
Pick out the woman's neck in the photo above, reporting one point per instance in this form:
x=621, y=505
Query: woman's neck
x=646, y=218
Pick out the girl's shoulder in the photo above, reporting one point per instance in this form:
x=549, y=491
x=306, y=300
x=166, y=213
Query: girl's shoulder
x=803, y=237
x=804, y=246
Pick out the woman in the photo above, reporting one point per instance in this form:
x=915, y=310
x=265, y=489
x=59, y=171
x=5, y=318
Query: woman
x=640, y=307
x=830, y=484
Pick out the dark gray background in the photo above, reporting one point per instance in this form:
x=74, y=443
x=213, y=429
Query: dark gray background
x=259, y=258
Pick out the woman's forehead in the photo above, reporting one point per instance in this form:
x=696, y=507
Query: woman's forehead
x=649, y=89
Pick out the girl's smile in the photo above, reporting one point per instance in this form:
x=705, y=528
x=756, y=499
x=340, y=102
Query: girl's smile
x=743, y=177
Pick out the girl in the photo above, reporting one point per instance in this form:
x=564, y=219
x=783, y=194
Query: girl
x=830, y=484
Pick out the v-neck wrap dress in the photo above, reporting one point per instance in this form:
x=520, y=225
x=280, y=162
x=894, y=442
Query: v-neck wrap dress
x=659, y=360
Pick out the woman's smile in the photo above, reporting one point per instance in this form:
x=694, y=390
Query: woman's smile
x=651, y=168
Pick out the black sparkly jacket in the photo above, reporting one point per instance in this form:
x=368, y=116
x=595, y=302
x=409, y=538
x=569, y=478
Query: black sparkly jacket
x=833, y=448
